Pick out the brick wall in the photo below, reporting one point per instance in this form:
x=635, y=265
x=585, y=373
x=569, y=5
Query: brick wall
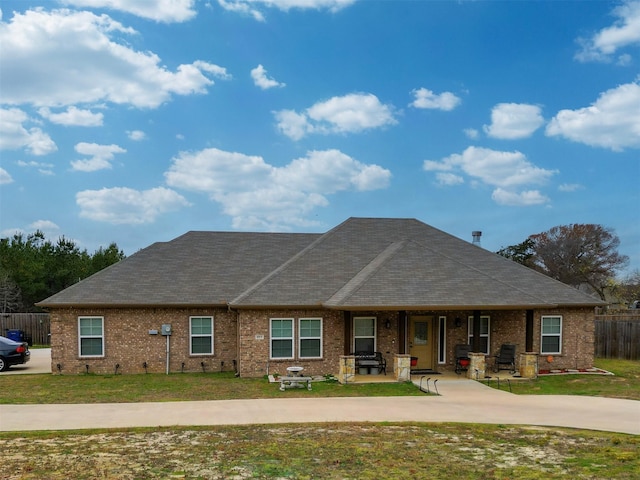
x=255, y=344
x=509, y=326
x=129, y=344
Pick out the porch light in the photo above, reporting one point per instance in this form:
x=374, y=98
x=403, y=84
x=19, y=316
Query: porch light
x=458, y=322
x=387, y=324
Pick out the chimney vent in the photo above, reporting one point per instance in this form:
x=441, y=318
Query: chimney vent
x=476, y=237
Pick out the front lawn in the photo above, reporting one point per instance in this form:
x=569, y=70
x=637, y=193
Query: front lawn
x=625, y=383
x=158, y=387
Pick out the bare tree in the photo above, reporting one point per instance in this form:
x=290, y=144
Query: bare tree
x=10, y=297
x=579, y=254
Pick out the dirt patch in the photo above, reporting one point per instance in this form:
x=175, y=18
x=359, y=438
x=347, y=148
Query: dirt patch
x=344, y=451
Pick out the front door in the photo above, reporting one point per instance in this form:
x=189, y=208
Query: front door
x=421, y=341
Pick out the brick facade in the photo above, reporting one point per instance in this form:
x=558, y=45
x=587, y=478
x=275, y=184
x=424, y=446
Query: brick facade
x=129, y=344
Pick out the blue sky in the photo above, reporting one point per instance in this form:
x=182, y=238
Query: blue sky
x=134, y=122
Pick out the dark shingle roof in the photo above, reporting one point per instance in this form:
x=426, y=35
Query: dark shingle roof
x=197, y=268
x=362, y=263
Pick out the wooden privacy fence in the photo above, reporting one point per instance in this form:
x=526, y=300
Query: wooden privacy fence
x=34, y=325
x=618, y=336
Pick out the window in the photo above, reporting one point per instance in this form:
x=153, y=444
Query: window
x=201, y=332
x=282, y=338
x=551, y=340
x=91, y=336
x=364, y=334
x=442, y=340
x=310, y=331
x=484, y=334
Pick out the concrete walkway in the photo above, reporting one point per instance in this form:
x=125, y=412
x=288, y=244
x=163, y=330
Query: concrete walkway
x=460, y=400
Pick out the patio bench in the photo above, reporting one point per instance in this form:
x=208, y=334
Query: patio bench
x=371, y=360
x=294, y=382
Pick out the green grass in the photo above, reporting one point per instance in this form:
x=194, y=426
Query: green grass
x=41, y=389
x=625, y=383
x=328, y=451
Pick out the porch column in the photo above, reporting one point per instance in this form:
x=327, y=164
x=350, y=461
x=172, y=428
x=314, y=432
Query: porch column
x=402, y=367
x=476, y=331
x=347, y=372
x=529, y=332
x=477, y=366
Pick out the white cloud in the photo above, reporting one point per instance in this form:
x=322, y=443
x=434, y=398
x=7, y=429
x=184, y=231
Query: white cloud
x=14, y=135
x=63, y=57
x=167, y=11
x=260, y=79
x=505, y=170
x=351, y=113
x=570, y=187
x=471, y=133
x=46, y=226
x=246, y=7
x=5, y=177
x=425, y=98
x=121, y=205
x=522, y=199
x=449, y=179
x=259, y=195
x=43, y=168
x=514, y=120
x=136, y=135
x=612, y=121
x=624, y=32
x=73, y=116
x=101, y=156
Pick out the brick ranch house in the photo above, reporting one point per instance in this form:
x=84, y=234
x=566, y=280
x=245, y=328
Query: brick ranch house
x=260, y=302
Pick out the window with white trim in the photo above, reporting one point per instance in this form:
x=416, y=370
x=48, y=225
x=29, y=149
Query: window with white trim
x=310, y=341
x=281, y=338
x=201, y=335
x=91, y=336
x=485, y=335
x=364, y=334
x=551, y=335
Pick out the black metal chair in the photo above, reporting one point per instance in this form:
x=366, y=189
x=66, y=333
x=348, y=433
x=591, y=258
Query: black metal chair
x=506, y=358
x=462, y=357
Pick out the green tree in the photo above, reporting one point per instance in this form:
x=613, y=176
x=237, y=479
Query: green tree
x=575, y=254
x=40, y=268
x=521, y=253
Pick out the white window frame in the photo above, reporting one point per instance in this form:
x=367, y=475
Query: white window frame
x=543, y=335
x=482, y=335
x=301, y=338
x=375, y=332
x=292, y=339
x=442, y=340
x=82, y=337
x=200, y=335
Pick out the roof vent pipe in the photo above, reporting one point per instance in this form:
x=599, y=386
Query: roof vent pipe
x=476, y=237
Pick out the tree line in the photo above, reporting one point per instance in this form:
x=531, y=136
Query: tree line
x=33, y=268
x=581, y=255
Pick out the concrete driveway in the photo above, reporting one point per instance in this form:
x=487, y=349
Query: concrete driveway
x=40, y=363
x=460, y=400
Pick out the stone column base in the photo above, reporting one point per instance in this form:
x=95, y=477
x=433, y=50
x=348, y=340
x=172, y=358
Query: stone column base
x=528, y=365
x=347, y=373
x=477, y=367
x=402, y=367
